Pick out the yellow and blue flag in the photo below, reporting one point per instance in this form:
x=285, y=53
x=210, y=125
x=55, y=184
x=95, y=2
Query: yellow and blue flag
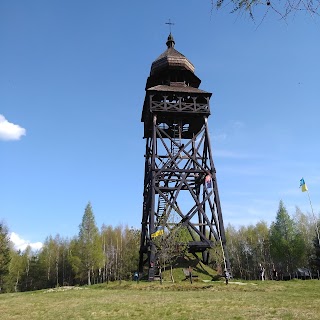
x=303, y=185
x=158, y=233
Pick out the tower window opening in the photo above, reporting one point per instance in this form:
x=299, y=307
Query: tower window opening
x=163, y=126
x=185, y=127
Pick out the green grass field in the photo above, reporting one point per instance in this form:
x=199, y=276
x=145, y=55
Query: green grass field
x=295, y=299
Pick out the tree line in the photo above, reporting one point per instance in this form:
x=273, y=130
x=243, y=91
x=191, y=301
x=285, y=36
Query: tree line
x=112, y=253
x=93, y=256
x=288, y=244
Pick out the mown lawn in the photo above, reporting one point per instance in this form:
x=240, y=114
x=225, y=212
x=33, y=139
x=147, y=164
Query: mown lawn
x=295, y=299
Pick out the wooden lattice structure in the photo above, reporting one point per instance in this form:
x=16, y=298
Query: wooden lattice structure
x=180, y=177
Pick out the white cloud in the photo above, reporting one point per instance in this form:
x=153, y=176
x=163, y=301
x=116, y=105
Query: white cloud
x=232, y=128
x=236, y=124
x=219, y=137
x=250, y=212
x=10, y=131
x=228, y=154
x=21, y=244
x=222, y=153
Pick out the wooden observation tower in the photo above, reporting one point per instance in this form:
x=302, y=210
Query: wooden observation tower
x=180, y=186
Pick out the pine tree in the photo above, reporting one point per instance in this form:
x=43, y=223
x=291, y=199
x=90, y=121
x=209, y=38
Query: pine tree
x=91, y=253
x=4, y=254
x=286, y=242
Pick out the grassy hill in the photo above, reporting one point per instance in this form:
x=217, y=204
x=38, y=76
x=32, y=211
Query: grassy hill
x=295, y=299
x=200, y=271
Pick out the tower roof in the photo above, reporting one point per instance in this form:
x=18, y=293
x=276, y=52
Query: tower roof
x=171, y=58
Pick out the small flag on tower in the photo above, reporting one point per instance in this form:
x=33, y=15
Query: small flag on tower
x=303, y=185
x=159, y=232
x=208, y=181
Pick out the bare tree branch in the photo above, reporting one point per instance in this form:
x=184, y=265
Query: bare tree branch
x=283, y=8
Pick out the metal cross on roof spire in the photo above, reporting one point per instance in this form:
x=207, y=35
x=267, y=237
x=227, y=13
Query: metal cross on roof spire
x=170, y=24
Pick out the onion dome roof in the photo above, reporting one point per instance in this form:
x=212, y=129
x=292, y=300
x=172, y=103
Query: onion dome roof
x=171, y=59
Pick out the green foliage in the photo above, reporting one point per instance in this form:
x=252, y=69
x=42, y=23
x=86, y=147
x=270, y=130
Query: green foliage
x=16, y=272
x=35, y=277
x=112, y=254
x=315, y=254
x=121, y=252
x=171, y=245
x=49, y=256
x=89, y=244
x=286, y=242
x=130, y=255
x=4, y=254
x=248, y=247
x=75, y=261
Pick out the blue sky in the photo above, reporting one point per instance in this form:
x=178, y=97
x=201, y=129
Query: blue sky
x=72, y=79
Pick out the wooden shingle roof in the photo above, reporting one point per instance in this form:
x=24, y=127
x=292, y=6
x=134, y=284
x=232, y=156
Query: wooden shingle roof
x=183, y=89
x=171, y=58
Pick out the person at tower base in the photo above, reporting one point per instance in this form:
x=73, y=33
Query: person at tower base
x=274, y=274
x=261, y=272
x=226, y=276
